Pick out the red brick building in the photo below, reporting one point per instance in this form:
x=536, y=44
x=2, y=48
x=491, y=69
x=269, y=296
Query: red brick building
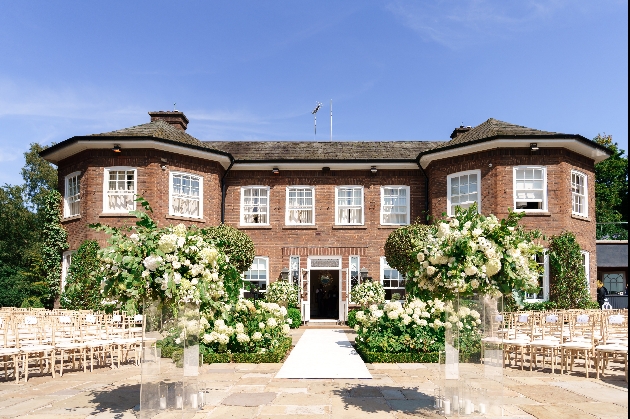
x=320, y=212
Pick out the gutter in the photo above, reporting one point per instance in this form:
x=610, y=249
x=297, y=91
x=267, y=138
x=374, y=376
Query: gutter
x=426, y=187
x=223, y=190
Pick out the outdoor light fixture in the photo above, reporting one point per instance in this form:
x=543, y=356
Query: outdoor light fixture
x=275, y=171
x=163, y=166
x=364, y=273
x=325, y=169
x=116, y=149
x=533, y=146
x=284, y=274
x=373, y=169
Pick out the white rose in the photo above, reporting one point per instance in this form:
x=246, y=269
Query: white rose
x=420, y=257
x=431, y=270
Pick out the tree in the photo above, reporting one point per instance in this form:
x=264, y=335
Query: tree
x=611, y=192
x=39, y=177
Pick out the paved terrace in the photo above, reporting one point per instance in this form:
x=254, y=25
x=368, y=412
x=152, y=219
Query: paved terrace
x=250, y=391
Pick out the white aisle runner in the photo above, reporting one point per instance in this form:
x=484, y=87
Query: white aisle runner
x=323, y=353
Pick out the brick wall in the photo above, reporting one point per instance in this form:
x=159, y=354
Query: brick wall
x=279, y=241
x=152, y=184
x=496, y=168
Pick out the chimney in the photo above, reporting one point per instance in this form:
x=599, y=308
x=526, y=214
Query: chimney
x=462, y=129
x=175, y=118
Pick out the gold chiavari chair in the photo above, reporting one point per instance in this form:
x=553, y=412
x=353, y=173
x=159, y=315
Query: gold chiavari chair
x=581, y=341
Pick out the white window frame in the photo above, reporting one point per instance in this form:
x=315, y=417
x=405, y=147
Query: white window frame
x=106, y=171
x=450, y=178
x=545, y=284
x=245, y=281
x=383, y=205
x=337, y=189
x=266, y=206
x=544, y=189
x=287, y=218
x=75, y=198
x=385, y=265
x=358, y=271
x=586, y=262
x=575, y=195
x=171, y=193
x=66, y=260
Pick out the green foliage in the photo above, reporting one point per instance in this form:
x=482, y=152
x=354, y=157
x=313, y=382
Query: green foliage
x=567, y=278
x=282, y=292
x=275, y=356
x=611, y=192
x=412, y=357
x=54, y=241
x=39, y=176
x=401, y=244
x=295, y=316
x=234, y=243
x=32, y=302
x=416, y=327
x=352, y=318
x=83, y=285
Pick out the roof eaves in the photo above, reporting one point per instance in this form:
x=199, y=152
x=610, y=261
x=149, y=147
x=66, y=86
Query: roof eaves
x=515, y=137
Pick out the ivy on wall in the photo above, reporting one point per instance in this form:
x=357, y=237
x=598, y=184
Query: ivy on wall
x=567, y=278
x=83, y=286
x=54, y=242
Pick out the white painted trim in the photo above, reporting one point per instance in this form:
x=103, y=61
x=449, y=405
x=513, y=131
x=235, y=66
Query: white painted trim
x=362, y=205
x=66, y=260
x=384, y=265
x=585, y=177
x=286, y=205
x=125, y=144
x=545, y=204
x=450, y=177
x=266, y=259
x=571, y=144
x=242, y=217
x=310, y=268
x=587, y=268
x=545, y=281
x=106, y=171
x=66, y=205
x=170, y=194
x=408, y=197
x=288, y=165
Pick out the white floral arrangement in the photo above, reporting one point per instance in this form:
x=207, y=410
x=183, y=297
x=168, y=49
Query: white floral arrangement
x=175, y=265
x=415, y=326
x=282, y=291
x=367, y=292
x=248, y=327
x=472, y=253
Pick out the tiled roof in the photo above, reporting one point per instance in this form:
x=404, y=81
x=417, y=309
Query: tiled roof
x=494, y=128
x=253, y=151
x=157, y=129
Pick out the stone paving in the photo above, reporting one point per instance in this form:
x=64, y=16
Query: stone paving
x=235, y=391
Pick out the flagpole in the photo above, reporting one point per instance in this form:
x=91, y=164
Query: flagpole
x=331, y=120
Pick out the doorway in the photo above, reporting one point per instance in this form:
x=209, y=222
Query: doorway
x=324, y=289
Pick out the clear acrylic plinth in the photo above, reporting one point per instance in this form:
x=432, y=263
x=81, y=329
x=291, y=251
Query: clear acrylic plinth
x=170, y=385
x=472, y=381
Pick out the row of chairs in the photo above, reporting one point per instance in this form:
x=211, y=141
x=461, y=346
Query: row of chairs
x=563, y=337
x=54, y=341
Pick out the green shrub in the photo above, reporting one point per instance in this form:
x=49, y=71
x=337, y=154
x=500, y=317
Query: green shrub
x=567, y=278
x=234, y=243
x=352, y=318
x=176, y=353
x=401, y=243
x=83, y=287
x=295, y=316
x=54, y=241
x=412, y=357
x=32, y=302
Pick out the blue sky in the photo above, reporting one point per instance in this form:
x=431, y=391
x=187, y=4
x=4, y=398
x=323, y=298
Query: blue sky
x=245, y=70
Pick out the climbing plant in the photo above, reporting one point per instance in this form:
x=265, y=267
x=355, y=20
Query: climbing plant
x=54, y=240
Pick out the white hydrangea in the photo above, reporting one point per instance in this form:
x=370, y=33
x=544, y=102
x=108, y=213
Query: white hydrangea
x=152, y=262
